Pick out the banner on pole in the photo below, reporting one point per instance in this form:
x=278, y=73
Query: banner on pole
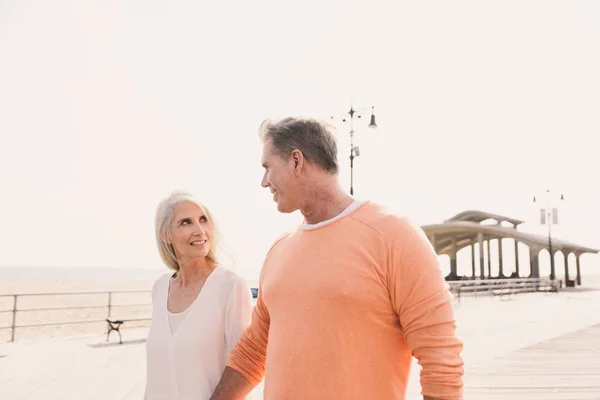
x=542, y=216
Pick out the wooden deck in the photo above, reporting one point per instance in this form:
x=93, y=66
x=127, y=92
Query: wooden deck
x=563, y=368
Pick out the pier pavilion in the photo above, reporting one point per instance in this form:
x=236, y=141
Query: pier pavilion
x=468, y=229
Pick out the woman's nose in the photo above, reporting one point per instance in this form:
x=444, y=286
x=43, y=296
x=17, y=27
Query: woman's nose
x=198, y=230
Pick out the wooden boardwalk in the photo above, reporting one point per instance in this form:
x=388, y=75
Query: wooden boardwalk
x=563, y=368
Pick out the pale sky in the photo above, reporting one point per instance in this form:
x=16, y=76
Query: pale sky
x=106, y=107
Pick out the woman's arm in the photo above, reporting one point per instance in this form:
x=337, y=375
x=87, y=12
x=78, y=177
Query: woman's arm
x=239, y=313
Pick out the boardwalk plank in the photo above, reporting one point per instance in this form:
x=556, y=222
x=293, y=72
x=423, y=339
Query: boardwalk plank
x=566, y=367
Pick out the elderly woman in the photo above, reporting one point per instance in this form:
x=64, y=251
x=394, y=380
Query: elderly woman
x=199, y=311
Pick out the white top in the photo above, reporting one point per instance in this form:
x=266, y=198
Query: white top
x=175, y=319
x=346, y=211
x=188, y=363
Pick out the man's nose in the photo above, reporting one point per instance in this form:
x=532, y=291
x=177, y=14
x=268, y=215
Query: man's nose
x=264, y=183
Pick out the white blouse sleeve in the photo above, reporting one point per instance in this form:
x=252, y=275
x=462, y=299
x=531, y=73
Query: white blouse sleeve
x=239, y=313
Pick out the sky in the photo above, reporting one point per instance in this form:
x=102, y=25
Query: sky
x=106, y=107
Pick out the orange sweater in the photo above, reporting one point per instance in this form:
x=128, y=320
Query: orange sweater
x=342, y=307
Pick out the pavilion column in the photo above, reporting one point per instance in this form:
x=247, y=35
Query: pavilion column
x=516, y=258
x=489, y=257
x=534, y=263
x=481, y=265
x=473, y=260
x=567, y=280
x=453, y=265
x=500, y=269
x=578, y=270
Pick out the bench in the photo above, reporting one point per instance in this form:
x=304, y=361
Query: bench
x=505, y=291
x=115, y=325
x=502, y=287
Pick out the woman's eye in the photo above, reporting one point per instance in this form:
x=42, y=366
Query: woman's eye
x=185, y=222
x=203, y=219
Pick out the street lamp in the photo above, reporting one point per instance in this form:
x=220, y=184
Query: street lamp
x=354, y=150
x=549, y=216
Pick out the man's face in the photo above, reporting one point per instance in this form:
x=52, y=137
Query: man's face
x=280, y=178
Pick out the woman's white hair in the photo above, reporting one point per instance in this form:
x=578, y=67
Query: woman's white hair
x=163, y=221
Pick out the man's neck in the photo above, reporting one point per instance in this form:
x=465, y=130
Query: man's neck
x=324, y=206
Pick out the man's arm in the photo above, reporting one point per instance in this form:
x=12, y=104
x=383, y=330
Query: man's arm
x=232, y=386
x=421, y=298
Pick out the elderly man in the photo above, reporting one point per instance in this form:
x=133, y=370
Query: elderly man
x=347, y=298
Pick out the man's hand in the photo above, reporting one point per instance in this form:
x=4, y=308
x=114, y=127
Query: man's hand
x=232, y=386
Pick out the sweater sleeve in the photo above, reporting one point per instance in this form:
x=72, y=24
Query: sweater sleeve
x=421, y=298
x=249, y=355
x=239, y=312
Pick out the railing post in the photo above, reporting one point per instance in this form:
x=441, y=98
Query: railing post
x=14, y=319
x=109, y=303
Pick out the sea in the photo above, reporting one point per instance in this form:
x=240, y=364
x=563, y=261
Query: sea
x=106, y=277
x=71, y=275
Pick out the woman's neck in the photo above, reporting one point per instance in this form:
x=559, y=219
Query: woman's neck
x=191, y=271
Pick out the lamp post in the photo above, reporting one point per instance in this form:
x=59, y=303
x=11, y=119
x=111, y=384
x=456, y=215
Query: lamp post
x=549, y=216
x=354, y=150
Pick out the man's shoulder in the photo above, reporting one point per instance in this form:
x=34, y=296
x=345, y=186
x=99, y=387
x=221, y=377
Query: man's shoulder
x=383, y=219
x=394, y=228
x=280, y=239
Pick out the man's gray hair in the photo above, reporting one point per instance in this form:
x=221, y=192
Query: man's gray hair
x=315, y=139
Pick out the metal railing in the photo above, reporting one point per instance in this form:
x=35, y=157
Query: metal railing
x=457, y=287
x=109, y=305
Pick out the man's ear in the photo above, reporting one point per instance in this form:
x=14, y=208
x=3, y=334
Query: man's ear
x=298, y=159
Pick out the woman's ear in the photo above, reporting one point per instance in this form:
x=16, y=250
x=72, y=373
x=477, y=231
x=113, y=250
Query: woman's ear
x=166, y=238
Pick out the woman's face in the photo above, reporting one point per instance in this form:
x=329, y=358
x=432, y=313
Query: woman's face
x=190, y=231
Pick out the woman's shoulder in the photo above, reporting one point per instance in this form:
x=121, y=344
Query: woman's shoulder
x=230, y=277
x=162, y=278
x=234, y=290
